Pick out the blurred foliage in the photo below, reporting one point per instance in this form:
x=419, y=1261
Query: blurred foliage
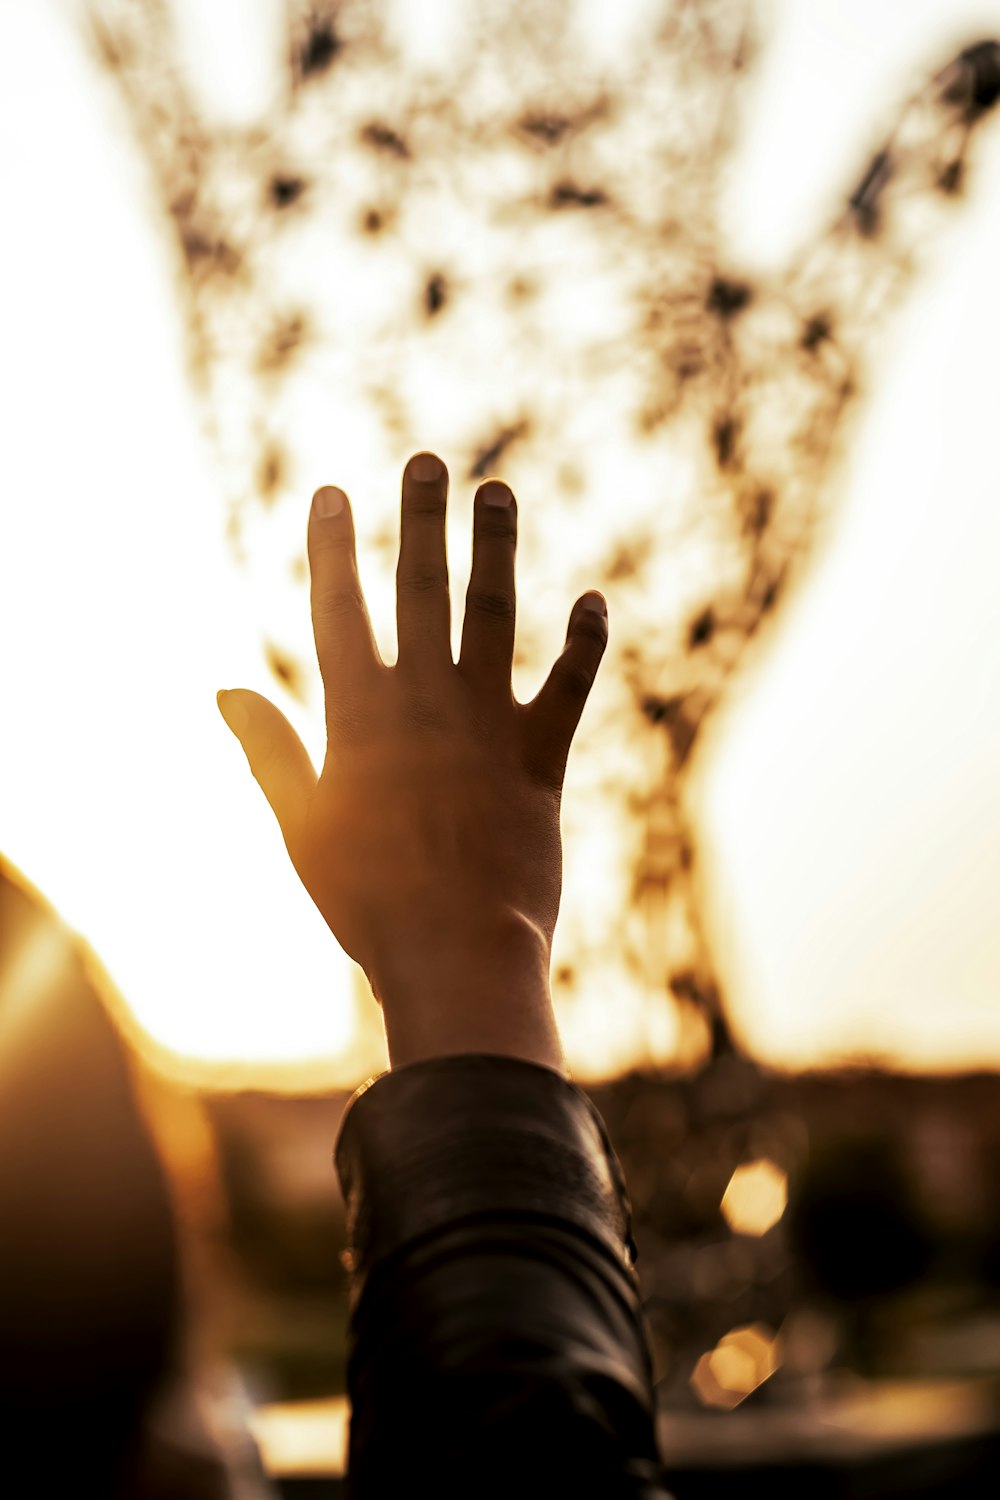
x=867, y=1270
x=541, y=236
x=874, y=1267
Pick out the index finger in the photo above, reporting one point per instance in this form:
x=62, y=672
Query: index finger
x=345, y=644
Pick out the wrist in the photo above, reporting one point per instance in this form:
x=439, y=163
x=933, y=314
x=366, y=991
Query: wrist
x=481, y=991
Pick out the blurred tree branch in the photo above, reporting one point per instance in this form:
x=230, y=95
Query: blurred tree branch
x=475, y=195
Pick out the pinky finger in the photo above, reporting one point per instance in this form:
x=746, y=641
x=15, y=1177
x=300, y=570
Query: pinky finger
x=554, y=713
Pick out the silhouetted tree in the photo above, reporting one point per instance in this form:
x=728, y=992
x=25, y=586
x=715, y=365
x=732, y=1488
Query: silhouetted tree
x=545, y=243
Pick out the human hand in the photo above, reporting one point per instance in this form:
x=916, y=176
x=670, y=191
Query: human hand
x=431, y=842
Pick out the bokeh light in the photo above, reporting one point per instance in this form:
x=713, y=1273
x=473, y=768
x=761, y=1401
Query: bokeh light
x=741, y=1361
x=756, y=1197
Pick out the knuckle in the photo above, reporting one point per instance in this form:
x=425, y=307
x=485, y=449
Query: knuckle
x=592, y=627
x=545, y=771
x=494, y=604
x=336, y=539
x=336, y=603
x=576, y=679
x=548, y=779
x=421, y=581
x=427, y=505
x=267, y=758
x=496, y=521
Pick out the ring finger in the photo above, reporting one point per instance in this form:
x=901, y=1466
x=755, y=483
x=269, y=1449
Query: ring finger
x=490, y=603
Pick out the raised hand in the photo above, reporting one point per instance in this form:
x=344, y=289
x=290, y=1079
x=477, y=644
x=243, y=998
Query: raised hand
x=430, y=842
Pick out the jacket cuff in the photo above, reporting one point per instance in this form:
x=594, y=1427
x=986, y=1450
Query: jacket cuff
x=475, y=1135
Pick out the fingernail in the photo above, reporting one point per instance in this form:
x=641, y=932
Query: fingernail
x=596, y=604
x=233, y=710
x=496, y=493
x=425, y=468
x=328, y=501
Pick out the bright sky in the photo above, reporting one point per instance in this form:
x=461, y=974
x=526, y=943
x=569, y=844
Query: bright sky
x=852, y=802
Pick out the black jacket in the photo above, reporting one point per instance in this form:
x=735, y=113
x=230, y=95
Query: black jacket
x=496, y=1343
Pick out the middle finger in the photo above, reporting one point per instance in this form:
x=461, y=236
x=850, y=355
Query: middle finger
x=423, y=603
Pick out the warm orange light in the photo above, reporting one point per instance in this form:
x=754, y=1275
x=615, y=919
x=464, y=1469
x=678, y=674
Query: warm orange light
x=741, y=1361
x=756, y=1197
x=834, y=931
x=302, y=1437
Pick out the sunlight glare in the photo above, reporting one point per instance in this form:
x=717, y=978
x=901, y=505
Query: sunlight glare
x=851, y=836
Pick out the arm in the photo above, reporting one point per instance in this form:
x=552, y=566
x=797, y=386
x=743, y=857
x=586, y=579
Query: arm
x=496, y=1338
x=497, y=1345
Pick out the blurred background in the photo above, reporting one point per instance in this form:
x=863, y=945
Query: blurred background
x=713, y=286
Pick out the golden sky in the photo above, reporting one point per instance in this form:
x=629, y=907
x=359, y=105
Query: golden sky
x=851, y=805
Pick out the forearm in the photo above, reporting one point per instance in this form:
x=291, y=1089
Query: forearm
x=496, y=1340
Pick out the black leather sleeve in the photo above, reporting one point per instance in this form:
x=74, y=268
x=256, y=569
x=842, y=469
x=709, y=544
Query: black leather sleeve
x=496, y=1341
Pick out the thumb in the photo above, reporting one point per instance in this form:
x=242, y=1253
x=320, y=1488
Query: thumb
x=278, y=759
